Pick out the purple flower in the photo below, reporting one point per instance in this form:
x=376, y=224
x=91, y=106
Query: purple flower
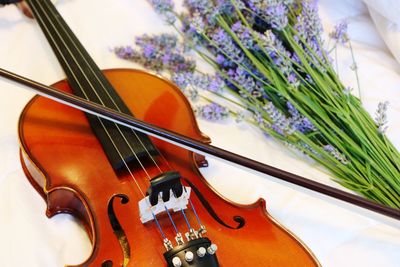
x=220, y=59
x=149, y=51
x=308, y=148
x=309, y=29
x=381, y=117
x=163, y=41
x=280, y=123
x=217, y=84
x=273, y=12
x=197, y=24
x=293, y=81
x=292, y=110
x=202, y=16
x=276, y=51
x=336, y=154
x=178, y=63
x=158, y=52
x=165, y=8
x=201, y=81
x=298, y=121
x=223, y=62
x=126, y=52
x=245, y=82
x=182, y=79
x=340, y=33
x=191, y=31
x=244, y=34
x=227, y=8
x=162, y=52
x=226, y=45
x=206, y=82
x=259, y=119
x=203, y=7
x=277, y=15
x=212, y=112
x=308, y=22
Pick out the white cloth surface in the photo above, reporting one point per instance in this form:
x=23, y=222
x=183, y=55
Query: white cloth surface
x=390, y=9
x=337, y=236
x=386, y=17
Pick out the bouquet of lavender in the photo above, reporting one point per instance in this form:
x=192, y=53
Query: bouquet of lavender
x=272, y=68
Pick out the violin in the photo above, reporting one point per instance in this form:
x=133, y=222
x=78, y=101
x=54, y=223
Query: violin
x=142, y=201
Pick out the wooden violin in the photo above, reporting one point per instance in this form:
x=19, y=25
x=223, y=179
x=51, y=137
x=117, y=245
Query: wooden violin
x=142, y=201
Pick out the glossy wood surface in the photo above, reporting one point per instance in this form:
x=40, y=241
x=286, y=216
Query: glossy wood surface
x=65, y=163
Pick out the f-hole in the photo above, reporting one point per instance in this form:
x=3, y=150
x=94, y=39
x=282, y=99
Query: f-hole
x=238, y=219
x=118, y=231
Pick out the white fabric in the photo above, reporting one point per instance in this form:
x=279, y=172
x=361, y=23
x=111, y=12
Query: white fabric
x=337, y=236
x=390, y=9
x=386, y=16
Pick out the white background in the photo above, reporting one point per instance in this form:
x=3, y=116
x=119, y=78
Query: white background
x=337, y=236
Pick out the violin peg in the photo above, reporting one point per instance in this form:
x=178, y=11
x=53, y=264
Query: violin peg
x=176, y=262
x=189, y=256
x=212, y=249
x=201, y=252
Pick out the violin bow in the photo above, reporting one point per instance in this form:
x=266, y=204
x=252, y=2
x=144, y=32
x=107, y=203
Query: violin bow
x=197, y=146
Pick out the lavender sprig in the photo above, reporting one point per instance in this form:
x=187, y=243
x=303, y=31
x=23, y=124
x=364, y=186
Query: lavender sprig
x=165, y=8
x=381, y=117
x=212, y=112
x=339, y=34
x=157, y=52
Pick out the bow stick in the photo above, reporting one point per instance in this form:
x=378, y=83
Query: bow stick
x=197, y=146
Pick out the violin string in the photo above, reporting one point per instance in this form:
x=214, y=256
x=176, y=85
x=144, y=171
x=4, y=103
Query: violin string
x=86, y=96
x=126, y=165
x=116, y=106
x=155, y=218
x=109, y=97
x=170, y=218
x=99, y=98
x=195, y=213
x=194, y=210
x=115, y=146
x=186, y=219
x=158, y=226
x=184, y=215
x=75, y=78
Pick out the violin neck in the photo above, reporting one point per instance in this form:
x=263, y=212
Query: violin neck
x=80, y=69
x=87, y=81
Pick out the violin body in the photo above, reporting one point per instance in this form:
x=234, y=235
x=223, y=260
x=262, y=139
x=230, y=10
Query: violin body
x=66, y=164
x=142, y=201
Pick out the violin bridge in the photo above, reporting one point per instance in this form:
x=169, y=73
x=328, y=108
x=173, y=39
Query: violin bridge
x=147, y=211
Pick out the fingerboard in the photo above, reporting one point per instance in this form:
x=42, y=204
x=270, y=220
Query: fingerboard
x=87, y=81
